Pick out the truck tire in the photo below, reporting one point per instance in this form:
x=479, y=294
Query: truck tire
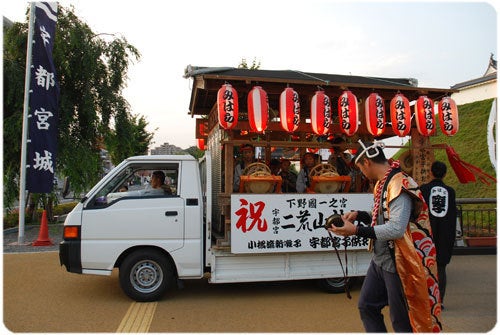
x=146, y=275
x=334, y=285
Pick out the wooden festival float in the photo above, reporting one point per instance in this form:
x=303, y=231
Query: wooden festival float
x=293, y=112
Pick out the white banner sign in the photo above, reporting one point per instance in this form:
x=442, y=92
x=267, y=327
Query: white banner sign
x=267, y=223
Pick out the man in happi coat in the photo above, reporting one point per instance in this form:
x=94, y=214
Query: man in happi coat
x=443, y=216
x=402, y=273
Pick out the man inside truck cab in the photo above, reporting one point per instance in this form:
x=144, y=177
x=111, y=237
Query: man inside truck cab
x=157, y=185
x=247, y=153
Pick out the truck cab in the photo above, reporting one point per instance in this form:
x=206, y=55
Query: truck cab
x=123, y=217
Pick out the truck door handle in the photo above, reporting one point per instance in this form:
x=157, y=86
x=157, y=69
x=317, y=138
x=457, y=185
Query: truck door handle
x=171, y=213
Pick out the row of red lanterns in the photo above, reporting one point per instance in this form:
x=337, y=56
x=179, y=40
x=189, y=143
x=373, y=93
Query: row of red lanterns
x=321, y=112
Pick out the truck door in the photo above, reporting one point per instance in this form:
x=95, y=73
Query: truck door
x=133, y=209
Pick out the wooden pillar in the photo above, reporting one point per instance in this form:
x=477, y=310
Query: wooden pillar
x=423, y=157
x=228, y=168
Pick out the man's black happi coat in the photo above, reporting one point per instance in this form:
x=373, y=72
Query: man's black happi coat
x=443, y=215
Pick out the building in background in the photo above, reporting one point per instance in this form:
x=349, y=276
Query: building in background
x=478, y=89
x=167, y=149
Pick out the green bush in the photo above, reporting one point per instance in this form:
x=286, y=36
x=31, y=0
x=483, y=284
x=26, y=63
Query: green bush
x=11, y=219
x=62, y=209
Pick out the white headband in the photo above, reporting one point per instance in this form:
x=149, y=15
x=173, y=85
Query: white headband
x=376, y=145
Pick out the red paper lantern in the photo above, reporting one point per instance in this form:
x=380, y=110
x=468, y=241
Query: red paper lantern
x=257, y=109
x=201, y=144
x=201, y=134
x=227, y=106
x=289, y=110
x=348, y=113
x=400, y=115
x=448, y=116
x=375, y=114
x=321, y=113
x=424, y=114
x=201, y=129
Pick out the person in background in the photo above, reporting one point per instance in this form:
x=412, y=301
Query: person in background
x=443, y=215
x=339, y=158
x=289, y=178
x=308, y=162
x=247, y=153
x=275, y=167
x=396, y=276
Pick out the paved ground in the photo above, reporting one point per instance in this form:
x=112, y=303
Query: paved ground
x=40, y=296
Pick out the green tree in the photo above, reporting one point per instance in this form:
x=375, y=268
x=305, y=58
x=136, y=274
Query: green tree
x=92, y=71
x=129, y=136
x=195, y=152
x=13, y=92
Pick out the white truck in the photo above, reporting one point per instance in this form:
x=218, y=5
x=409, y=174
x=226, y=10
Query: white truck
x=157, y=239
x=201, y=226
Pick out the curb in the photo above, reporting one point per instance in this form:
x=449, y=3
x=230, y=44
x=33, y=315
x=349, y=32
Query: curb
x=474, y=251
x=16, y=229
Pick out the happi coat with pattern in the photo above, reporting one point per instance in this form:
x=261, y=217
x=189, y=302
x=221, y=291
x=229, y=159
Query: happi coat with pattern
x=415, y=257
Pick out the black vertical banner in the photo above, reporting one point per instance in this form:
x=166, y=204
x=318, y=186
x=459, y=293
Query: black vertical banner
x=44, y=102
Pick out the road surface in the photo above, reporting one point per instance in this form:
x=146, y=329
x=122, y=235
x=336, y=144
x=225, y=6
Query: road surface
x=40, y=296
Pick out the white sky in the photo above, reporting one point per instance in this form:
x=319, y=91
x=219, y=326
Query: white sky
x=440, y=44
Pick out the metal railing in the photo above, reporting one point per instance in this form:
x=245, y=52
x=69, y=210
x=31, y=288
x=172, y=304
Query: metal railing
x=476, y=220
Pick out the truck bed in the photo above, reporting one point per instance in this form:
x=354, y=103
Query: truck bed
x=227, y=267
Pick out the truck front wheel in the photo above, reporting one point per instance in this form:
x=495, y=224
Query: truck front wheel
x=146, y=275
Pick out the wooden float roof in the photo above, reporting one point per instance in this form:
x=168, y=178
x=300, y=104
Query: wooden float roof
x=208, y=80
